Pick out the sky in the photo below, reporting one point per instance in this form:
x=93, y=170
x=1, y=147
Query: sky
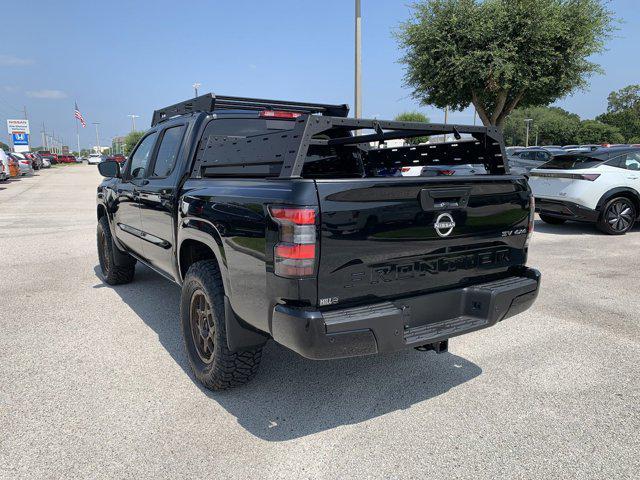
x=116, y=58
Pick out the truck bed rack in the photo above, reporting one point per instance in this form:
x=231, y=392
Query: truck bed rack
x=209, y=103
x=282, y=154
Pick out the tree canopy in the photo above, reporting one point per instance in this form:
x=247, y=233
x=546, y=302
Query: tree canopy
x=623, y=112
x=627, y=98
x=501, y=54
x=131, y=141
x=551, y=126
x=413, y=117
x=4, y=146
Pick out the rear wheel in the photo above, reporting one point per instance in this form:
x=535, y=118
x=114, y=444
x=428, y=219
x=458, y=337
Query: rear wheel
x=117, y=267
x=617, y=217
x=552, y=220
x=205, y=335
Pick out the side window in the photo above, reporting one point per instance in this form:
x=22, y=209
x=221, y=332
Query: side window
x=632, y=162
x=140, y=159
x=168, y=151
x=542, y=156
x=618, y=162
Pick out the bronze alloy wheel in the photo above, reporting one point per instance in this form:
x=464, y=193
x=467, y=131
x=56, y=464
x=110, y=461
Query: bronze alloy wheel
x=202, y=327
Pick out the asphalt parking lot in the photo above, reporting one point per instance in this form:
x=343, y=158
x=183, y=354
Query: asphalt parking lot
x=94, y=382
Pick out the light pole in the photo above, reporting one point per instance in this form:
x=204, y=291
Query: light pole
x=196, y=86
x=358, y=62
x=527, y=122
x=446, y=121
x=133, y=121
x=97, y=137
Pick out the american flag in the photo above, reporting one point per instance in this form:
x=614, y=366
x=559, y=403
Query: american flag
x=78, y=115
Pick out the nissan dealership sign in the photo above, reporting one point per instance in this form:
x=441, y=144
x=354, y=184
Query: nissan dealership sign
x=19, y=132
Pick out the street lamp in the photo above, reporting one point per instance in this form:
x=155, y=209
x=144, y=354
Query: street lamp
x=196, y=86
x=358, y=62
x=133, y=121
x=527, y=122
x=97, y=137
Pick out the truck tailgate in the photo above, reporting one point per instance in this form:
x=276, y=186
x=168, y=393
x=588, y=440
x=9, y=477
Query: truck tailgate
x=394, y=237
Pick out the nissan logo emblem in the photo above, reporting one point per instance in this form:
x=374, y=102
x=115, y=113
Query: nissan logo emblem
x=444, y=224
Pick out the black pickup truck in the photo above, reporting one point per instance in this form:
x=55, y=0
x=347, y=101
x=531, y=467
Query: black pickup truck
x=290, y=221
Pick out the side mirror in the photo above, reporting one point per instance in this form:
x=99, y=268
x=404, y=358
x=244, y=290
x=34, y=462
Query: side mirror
x=109, y=169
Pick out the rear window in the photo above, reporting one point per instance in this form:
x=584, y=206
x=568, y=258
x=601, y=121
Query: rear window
x=572, y=162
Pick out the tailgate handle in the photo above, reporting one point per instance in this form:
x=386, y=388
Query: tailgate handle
x=444, y=198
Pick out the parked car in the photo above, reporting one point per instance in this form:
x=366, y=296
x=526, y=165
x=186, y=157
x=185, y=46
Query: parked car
x=533, y=157
x=601, y=187
x=14, y=167
x=442, y=170
x=94, y=159
x=36, y=162
x=24, y=164
x=50, y=157
x=46, y=163
x=243, y=227
x=513, y=150
x=4, y=166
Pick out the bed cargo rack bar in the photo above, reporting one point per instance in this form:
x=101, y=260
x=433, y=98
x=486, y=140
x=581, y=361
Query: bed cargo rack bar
x=209, y=102
x=282, y=154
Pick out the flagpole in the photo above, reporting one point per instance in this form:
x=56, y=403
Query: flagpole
x=78, y=136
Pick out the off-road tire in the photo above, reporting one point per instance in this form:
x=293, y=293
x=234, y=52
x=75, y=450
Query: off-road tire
x=225, y=369
x=621, y=208
x=115, y=271
x=552, y=220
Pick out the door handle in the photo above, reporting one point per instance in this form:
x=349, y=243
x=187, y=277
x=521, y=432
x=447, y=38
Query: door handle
x=632, y=178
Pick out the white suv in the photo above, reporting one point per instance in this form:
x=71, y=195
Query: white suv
x=601, y=186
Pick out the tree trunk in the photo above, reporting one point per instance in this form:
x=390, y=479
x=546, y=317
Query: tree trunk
x=502, y=110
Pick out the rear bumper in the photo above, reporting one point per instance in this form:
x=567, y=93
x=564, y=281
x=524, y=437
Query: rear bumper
x=407, y=323
x=565, y=209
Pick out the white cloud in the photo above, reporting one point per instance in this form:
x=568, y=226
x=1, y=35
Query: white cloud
x=48, y=94
x=10, y=89
x=11, y=61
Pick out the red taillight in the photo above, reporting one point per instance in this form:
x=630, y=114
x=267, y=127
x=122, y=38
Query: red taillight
x=279, y=114
x=295, y=253
x=24, y=162
x=299, y=216
x=447, y=172
x=406, y=169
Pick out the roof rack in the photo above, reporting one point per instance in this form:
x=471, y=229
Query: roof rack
x=210, y=102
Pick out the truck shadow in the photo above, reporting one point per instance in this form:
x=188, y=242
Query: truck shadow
x=291, y=396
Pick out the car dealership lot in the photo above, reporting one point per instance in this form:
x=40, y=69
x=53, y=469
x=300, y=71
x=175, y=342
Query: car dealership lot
x=94, y=381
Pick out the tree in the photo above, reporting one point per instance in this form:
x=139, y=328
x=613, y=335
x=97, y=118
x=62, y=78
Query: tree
x=554, y=126
x=627, y=98
x=131, y=140
x=414, y=117
x=623, y=111
x=500, y=54
x=4, y=146
x=625, y=120
x=592, y=131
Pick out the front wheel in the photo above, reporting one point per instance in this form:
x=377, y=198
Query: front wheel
x=551, y=220
x=618, y=216
x=205, y=337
